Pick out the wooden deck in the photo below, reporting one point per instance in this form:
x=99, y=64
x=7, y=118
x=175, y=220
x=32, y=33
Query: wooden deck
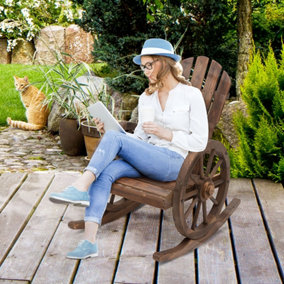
x=34, y=239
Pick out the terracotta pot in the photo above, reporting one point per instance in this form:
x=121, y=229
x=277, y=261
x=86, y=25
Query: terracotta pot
x=71, y=138
x=92, y=137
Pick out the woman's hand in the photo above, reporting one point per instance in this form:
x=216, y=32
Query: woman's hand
x=153, y=128
x=99, y=125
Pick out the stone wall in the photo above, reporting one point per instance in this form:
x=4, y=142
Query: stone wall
x=5, y=57
x=79, y=44
x=23, y=53
x=48, y=45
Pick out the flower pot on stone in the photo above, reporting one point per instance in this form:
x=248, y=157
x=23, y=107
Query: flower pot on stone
x=92, y=137
x=71, y=138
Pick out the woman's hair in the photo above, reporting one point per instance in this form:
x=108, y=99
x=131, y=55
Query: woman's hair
x=167, y=65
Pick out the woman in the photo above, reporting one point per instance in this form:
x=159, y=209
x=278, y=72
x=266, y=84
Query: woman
x=158, y=147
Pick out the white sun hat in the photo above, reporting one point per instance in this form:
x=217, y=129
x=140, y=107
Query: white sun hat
x=157, y=46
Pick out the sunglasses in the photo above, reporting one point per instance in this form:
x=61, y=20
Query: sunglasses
x=148, y=65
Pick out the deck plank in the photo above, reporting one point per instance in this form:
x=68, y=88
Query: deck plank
x=135, y=269
x=55, y=267
x=13, y=282
x=255, y=259
x=272, y=200
x=15, y=215
x=101, y=269
x=136, y=264
x=182, y=268
x=10, y=182
x=98, y=270
x=23, y=260
x=215, y=259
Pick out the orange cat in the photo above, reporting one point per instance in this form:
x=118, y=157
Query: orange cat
x=33, y=100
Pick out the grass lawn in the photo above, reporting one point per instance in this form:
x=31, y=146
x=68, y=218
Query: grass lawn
x=10, y=102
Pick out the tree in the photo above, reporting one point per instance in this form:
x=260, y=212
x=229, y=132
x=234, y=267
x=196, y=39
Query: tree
x=245, y=45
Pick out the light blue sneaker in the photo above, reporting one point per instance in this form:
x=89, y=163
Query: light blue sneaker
x=71, y=195
x=84, y=250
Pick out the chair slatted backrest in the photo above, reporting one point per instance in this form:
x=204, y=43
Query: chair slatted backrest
x=213, y=82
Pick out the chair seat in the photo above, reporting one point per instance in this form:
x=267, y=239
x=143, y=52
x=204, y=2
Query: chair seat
x=146, y=191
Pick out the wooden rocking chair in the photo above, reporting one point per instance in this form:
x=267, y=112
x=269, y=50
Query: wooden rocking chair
x=198, y=195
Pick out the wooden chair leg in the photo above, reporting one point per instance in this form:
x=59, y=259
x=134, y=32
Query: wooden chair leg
x=114, y=211
x=187, y=244
x=125, y=207
x=76, y=225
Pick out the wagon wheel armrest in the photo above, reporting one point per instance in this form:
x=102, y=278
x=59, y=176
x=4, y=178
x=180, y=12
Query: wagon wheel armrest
x=191, y=171
x=184, y=173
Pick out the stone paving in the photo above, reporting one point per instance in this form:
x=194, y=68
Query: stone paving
x=22, y=150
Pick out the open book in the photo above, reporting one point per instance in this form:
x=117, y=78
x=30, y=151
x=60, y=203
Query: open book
x=99, y=110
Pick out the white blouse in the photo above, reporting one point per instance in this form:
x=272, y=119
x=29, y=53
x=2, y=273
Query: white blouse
x=184, y=114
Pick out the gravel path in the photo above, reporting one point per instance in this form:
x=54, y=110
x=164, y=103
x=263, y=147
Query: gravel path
x=22, y=150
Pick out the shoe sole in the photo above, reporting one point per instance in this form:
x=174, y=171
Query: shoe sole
x=85, y=257
x=68, y=201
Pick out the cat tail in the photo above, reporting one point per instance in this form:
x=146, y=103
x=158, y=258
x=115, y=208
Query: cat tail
x=23, y=125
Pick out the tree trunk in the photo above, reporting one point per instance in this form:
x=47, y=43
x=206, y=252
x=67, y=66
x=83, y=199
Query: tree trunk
x=245, y=46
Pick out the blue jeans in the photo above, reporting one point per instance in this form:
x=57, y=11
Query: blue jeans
x=136, y=158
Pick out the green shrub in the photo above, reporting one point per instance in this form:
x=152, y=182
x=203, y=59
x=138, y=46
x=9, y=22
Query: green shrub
x=268, y=28
x=25, y=18
x=260, y=131
x=120, y=28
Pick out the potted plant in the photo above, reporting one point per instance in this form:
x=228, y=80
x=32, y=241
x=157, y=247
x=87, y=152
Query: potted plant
x=88, y=128
x=91, y=135
x=71, y=97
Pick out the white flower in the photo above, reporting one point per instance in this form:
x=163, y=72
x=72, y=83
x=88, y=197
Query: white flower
x=36, y=4
x=57, y=4
x=30, y=21
x=67, y=3
x=80, y=13
x=30, y=35
x=25, y=12
x=9, y=3
x=69, y=15
x=9, y=26
x=11, y=43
